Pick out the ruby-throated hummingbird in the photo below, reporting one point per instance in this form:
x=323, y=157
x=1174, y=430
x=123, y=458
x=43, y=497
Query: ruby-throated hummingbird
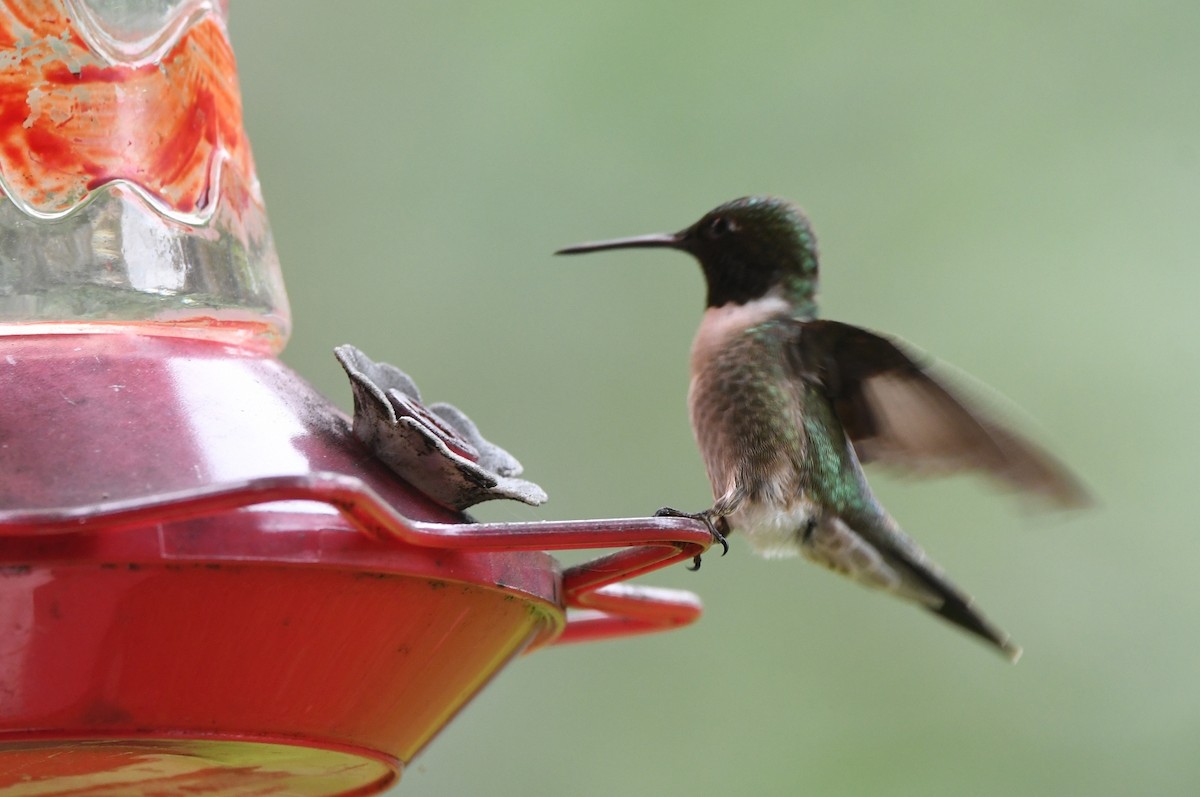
x=785, y=407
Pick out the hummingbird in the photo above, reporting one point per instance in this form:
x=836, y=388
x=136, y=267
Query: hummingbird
x=786, y=407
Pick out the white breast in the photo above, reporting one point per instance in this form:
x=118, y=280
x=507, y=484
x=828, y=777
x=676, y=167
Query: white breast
x=719, y=323
x=774, y=530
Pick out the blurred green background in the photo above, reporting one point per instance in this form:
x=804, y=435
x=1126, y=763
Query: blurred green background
x=1013, y=189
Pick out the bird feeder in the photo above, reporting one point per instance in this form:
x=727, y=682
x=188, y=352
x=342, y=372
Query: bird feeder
x=213, y=581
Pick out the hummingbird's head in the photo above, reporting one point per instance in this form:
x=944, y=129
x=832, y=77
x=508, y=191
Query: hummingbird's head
x=748, y=248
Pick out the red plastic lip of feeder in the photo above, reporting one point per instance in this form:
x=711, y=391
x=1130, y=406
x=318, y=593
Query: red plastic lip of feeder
x=199, y=563
x=650, y=544
x=142, y=419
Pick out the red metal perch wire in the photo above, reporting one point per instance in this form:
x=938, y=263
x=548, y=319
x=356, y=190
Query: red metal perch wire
x=604, y=607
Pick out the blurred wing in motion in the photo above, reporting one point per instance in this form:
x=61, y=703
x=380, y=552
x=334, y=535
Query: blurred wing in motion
x=896, y=413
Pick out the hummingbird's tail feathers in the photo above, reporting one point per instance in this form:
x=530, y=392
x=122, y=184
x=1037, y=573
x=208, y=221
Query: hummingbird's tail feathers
x=951, y=603
x=877, y=553
x=834, y=544
x=958, y=608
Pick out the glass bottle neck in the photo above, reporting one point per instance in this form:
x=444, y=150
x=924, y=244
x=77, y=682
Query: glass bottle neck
x=129, y=197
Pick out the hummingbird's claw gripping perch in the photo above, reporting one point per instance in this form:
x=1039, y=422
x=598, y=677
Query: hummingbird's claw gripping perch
x=704, y=517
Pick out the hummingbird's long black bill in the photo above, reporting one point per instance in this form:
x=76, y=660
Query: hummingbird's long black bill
x=664, y=240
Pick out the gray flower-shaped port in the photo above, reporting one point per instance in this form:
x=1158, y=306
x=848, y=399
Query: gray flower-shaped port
x=436, y=449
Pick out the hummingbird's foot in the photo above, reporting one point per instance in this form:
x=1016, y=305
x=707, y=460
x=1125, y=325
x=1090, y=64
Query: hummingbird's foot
x=705, y=517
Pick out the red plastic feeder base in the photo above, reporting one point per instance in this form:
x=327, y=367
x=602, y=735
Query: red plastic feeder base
x=65, y=767
x=177, y=657
x=207, y=586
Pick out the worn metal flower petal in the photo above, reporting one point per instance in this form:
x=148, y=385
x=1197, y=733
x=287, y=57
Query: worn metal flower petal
x=436, y=449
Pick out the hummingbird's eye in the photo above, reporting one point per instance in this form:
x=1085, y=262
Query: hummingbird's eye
x=720, y=226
